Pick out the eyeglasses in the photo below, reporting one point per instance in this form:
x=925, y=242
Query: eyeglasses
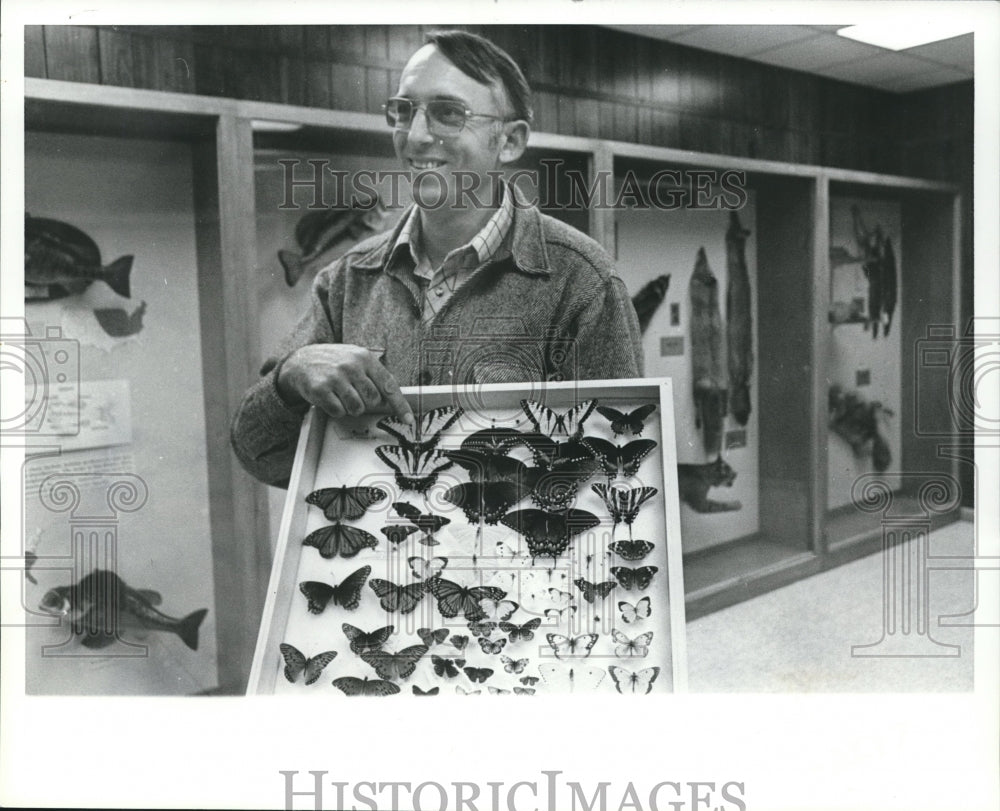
x=444, y=116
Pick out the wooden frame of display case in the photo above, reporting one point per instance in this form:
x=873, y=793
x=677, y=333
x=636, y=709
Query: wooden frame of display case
x=223, y=132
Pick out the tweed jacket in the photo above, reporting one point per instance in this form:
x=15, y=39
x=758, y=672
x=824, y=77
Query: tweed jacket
x=546, y=306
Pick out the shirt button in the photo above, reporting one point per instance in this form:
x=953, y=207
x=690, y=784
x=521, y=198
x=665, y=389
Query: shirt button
x=439, y=291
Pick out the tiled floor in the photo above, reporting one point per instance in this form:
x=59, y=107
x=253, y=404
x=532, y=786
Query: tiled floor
x=799, y=638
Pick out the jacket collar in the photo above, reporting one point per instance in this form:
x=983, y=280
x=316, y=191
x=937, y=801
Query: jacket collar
x=527, y=242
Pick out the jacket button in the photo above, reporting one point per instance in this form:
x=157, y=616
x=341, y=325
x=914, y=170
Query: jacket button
x=425, y=376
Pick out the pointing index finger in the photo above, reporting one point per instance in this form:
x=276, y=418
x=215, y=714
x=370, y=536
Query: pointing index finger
x=391, y=393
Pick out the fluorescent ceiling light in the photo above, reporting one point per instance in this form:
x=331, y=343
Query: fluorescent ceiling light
x=264, y=125
x=899, y=35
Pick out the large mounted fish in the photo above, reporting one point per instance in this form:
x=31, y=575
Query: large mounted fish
x=101, y=604
x=708, y=376
x=61, y=260
x=739, y=320
x=320, y=234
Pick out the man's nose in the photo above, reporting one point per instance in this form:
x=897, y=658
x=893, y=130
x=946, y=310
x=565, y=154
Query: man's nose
x=419, y=131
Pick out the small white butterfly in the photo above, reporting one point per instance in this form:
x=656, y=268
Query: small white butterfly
x=424, y=569
x=497, y=610
x=570, y=679
x=638, y=683
x=463, y=692
x=631, y=647
x=632, y=613
x=565, y=647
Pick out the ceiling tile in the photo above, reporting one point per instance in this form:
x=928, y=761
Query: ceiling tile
x=819, y=52
x=956, y=52
x=742, y=40
x=877, y=69
x=922, y=81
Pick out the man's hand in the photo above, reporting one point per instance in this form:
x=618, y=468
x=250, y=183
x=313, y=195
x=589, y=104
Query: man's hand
x=341, y=379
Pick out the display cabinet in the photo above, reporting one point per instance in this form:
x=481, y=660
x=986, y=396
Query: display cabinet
x=210, y=233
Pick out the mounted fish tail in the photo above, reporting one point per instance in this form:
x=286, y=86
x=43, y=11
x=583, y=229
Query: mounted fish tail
x=707, y=374
x=61, y=256
x=739, y=327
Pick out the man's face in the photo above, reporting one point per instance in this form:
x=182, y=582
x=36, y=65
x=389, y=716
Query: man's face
x=428, y=76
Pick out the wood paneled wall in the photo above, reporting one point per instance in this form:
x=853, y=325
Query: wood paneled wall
x=588, y=81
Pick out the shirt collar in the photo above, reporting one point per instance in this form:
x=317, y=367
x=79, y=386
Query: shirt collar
x=524, y=235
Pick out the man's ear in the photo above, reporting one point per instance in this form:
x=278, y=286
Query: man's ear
x=514, y=140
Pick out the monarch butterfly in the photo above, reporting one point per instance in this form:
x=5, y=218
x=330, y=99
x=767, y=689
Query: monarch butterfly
x=397, y=665
x=340, y=539
x=361, y=641
x=352, y=686
x=454, y=599
x=296, y=663
x=398, y=598
x=347, y=594
x=345, y=502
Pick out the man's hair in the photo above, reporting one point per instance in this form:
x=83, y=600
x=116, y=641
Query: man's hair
x=486, y=63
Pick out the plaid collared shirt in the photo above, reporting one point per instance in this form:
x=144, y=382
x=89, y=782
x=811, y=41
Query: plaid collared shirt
x=438, y=285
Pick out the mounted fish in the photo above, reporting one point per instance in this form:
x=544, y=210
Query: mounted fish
x=707, y=374
x=101, y=604
x=61, y=260
x=321, y=234
x=739, y=318
x=648, y=300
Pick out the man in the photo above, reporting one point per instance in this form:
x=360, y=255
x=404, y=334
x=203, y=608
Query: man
x=456, y=293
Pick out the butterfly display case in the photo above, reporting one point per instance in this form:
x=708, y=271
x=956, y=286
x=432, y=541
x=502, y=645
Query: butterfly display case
x=517, y=540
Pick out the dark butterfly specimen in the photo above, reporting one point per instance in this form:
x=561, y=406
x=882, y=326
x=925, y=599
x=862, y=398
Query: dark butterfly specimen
x=366, y=641
x=531, y=681
x=632, y=421
x=594, y=591
x=638, y=683
x=632, y=613
x=480, y=628
x=347, y=594
x=565, y=647
x=493, y=441
x=551, y=423
x=623, y=502
x=296, y=663
x=550, y=454
x=340, y=539
x=477, y=674
x=484, y=466
x=487, y=501
x=548, y=534
x=433, y=691
x=345, y=502
x=426, y=522
x=513, y=665
x=446, y=668
x=397, y=665
x=398, y=598
x=521, y=633
x=613, y=458
x=554, y=489
x=416, y=468
x=397, y=534
x=631, y=550
x=426, y=428
x=630, y=579
x=454, y=599
x=492, y=647
x=431, y=638
x=352, y=686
